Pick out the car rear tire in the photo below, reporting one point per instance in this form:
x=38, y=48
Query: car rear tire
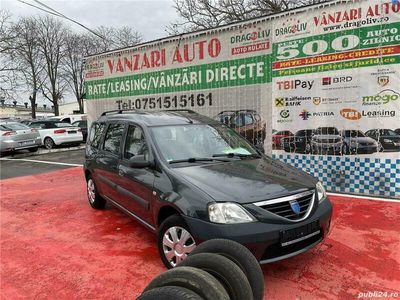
x=226, y=271
x=196, y=280
x=174, y=241
x=169, y=293
x=34, y=149
x=49, y=143
x=95, y=200
x=239, y=255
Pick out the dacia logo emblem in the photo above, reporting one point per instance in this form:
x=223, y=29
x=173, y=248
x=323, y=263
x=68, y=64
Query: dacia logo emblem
x=295, y=206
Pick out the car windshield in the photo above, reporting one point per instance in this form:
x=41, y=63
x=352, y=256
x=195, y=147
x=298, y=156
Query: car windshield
x=327, y=131
x=14, y=126
x=388, y=132
x=180, y=142
x=353, y=133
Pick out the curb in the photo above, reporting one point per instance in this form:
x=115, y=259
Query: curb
x=46, y=151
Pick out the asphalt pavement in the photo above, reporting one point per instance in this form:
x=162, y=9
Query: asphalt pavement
x=21, y=166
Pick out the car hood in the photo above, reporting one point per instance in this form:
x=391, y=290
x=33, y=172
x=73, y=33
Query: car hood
x=360, y=139
x=247, y=181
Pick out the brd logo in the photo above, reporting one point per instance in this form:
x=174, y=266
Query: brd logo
x=350, y=114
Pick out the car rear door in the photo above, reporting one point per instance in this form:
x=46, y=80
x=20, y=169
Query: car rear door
x=136, y=185
x=107, y=159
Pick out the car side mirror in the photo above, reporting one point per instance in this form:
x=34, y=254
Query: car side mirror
x=139, y=162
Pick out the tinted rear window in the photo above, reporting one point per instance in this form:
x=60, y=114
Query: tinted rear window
x=95, y=134
x=113, y=138
x=14, y=126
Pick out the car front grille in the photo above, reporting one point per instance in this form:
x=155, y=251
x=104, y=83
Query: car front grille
x=283, y=208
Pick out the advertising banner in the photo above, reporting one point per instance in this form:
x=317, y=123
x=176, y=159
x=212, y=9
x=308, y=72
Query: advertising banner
x=317, y=87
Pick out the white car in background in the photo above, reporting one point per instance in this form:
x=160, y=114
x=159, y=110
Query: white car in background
x=54, y=132
x=69, y=118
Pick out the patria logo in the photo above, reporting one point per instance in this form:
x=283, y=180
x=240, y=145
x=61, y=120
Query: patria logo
x=253, y=34
x=383, y=97
x=291, y=26
x=305, y=115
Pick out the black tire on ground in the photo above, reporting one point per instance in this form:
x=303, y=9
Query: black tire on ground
x=226, y=271
x=196, y=280
x=239, y=255
x=168, y=255
x=95, y=200
x=169, y=293
x=49, y=143
x=34, y=149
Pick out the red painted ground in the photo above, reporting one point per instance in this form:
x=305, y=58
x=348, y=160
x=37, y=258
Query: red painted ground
x=54, y=246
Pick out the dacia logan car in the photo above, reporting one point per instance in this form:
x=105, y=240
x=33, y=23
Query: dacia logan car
x=189, y=178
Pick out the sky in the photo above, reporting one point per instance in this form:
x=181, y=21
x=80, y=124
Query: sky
x=149, y=17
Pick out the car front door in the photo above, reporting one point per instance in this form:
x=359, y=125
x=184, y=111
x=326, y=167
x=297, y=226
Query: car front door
x=136, y=184
x=107, y=160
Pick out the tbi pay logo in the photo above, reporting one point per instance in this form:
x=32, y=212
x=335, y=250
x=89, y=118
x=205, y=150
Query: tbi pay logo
x=295, y=84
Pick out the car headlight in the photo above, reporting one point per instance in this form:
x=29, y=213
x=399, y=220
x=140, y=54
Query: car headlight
x=320, y=192
x=387, y=141
x=228, y=213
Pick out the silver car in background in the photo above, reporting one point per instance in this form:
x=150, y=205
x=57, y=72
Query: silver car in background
x=16, y=136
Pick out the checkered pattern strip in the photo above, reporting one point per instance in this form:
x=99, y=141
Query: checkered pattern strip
x=347, y=174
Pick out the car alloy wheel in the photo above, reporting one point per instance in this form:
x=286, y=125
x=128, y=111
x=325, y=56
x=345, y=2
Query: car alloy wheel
x=177, y=243
x=48, y=143
x=91, y=190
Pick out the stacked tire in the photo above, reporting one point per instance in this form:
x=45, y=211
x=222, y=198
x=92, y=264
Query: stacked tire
x=216, y=269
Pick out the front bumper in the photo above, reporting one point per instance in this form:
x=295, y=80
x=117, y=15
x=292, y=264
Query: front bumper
x=263, y=239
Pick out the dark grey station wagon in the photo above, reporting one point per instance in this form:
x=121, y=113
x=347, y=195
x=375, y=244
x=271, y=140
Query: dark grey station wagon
x=189, y=178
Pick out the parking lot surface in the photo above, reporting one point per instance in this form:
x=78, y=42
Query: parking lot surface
x=36, y=164
x=54, y=246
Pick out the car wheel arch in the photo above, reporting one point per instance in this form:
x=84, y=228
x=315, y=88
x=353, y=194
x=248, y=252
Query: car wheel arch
x=166, y=211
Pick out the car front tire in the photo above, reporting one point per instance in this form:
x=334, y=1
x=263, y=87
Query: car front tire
x=174, y=241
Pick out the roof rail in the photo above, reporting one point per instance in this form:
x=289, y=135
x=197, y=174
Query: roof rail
x=118, y=111
x=187, y=110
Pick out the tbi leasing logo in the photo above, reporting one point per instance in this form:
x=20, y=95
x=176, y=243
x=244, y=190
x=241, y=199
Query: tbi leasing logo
x=350, y=114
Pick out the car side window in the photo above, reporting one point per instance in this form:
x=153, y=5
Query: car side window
x=248, y=119
x=112, y=141
x=135, y=142
x=37, y=125
x=95, y=134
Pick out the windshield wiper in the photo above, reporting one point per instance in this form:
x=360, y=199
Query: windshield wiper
x=231, y=154
x=194, y=160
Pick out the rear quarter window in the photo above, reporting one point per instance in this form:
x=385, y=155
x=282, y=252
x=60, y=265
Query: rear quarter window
x=96, y=131
x=113, y=138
